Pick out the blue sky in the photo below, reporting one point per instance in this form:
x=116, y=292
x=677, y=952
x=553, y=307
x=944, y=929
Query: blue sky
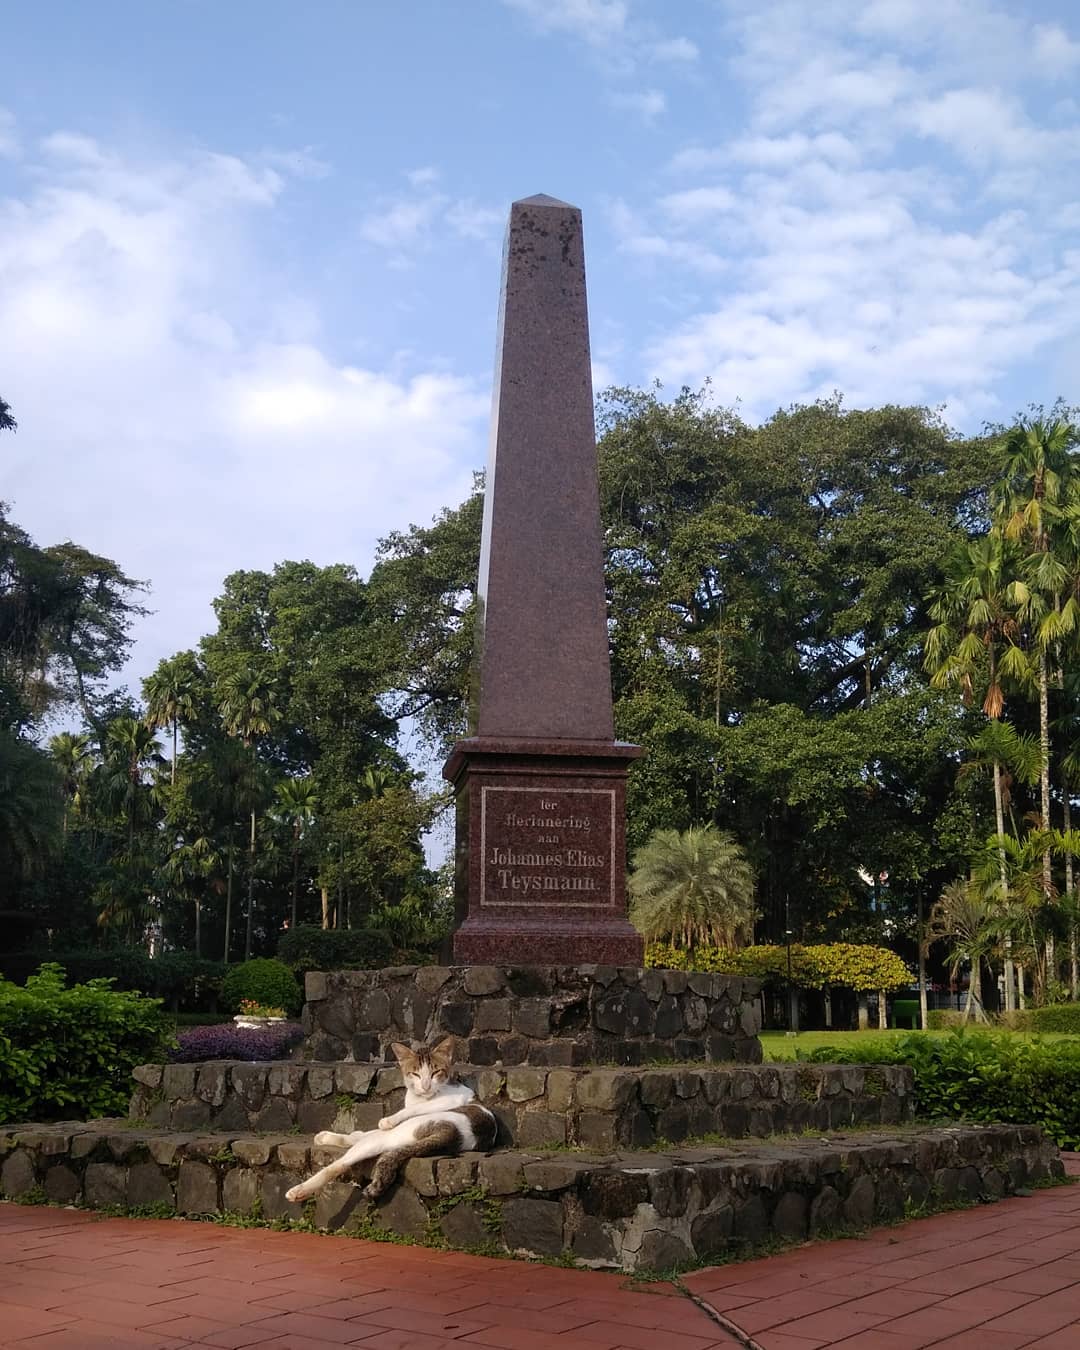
x=249, y=252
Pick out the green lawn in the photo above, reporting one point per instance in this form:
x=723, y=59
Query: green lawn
x=779, y=1045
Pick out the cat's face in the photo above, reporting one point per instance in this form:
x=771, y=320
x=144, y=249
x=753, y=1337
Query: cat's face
x=427, y=1068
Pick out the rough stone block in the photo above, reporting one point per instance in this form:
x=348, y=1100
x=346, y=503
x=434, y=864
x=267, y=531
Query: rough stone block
x=148, y=1185
x=484, y=980
x=524, y=1085
x=178, y=1080
x=62, y=1185
x=103, y=1185
x=537, y=1129
x=17, y=1176
x=533, y=1226
x=493, y=1015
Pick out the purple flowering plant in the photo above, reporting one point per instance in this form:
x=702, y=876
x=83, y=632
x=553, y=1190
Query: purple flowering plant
x=227, y=1041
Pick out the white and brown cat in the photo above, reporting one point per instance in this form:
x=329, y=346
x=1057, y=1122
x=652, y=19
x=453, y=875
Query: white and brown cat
x=439, y=1116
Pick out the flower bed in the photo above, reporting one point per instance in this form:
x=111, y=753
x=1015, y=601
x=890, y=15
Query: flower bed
x=226, y=1041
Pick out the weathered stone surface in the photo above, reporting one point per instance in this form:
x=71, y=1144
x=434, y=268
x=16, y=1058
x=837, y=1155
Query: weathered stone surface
x=17, y=1175
x=103, y=1185
x=493, y=1015
x=240, y=1190
x=147, y=1074
x=710, y=1232
x=465, y=1225
x=662, y=1251
x=858, y=1208
x=273, y=1202
x=824, y=1215
x=522, y=1085
x=534, y=1226
x=670, y=1191
x=789, y=1218
x=402, y=1211
x=532, y=1017
x=537, y=1129
x=212, y=1083
x=148, y=1185
x=196, y=1188
x=62, y=1185
x=484, y=980
x=178, y=1080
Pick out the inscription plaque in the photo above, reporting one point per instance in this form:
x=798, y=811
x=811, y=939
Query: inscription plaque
x=547, y=846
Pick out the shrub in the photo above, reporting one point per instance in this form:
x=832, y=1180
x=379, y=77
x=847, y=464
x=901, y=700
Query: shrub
x=944, y=1019
x=68, y=1053
x=1063, y=1017
x=975, y=1076
x=310, y=948
x=263, y=980
x=227, y=1041
x=850, y=965
x=181, y=979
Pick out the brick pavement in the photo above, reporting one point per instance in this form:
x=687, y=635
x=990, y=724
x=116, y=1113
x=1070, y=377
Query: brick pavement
x=71, y=1281
x=1004, y=1277
x=999, y=1278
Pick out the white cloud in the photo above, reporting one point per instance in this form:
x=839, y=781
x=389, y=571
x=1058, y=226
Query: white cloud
x=698, y=203
x=648, y=104
x=185, y=401
x=677, y=50
x=409, y=222
x=595, y=22
x=1053, y=51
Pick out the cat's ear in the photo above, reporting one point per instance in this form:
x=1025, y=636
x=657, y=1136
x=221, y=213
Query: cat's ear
x=404, y=1056
x=442, y=1055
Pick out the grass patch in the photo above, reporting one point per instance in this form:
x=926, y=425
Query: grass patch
x=779, y=1045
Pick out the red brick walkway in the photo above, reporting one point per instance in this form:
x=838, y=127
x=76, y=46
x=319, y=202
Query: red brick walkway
x=69, y=1281
x=999, y=1278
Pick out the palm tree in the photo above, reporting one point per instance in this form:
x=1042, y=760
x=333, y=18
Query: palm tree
x=248, y=711
x=186, y=867
x=30, y=808
x=1038, y=480
x=170, y=697
x=297, y=802
x=129, y=749
x=72, y=754
x=976, y=638
x=963, y=918
x=693, y=888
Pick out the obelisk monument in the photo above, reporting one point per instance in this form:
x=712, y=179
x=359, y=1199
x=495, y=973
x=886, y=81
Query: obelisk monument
x=540, y=782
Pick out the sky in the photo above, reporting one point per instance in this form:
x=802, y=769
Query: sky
x=249, y=251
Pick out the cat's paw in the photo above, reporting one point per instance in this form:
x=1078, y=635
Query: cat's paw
x=328, y=1139
x=386, y=1123
x=296, y=1195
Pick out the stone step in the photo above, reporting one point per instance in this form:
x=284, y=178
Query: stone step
x=631, y=1211
x=594, y=1108
x=543, y=1015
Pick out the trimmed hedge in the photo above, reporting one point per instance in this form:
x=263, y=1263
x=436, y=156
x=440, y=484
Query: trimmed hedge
x=308, y=947
x=976, y=1076
x=849, y=965
x=1064, y=1017
x=264, y=980
x=68, y=1053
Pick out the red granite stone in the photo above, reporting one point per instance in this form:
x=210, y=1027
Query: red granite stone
x=541, y=782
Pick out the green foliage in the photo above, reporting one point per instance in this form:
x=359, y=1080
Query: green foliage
x=970, y=1076
x=69, y=1052
x=180, y=979
x=263, y=980
x=691, y=888
x=838, y=964
x=943, y=1019
x=310, y=948
x=1063, y=1017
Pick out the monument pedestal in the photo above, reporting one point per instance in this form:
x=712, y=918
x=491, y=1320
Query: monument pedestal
x=541, y=850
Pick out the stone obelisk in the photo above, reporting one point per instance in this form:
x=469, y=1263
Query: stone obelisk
x=540, y=782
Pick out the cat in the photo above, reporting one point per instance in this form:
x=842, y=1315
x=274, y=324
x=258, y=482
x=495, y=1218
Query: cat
x=439, y=1116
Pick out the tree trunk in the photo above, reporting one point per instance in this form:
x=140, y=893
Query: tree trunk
x=882, y=1011
x=228, y=905
x=974, y=993
x=828, y=1009
x=325, y=894
x=295, y=870
x=172, y=776
x=922, y=968
x=1044, y=795
x=864, y=1012
x=1021, y=996
x=793, y=1008
x=1070, y=882
x=251, y=891
x=999, y=815
x=198, y=926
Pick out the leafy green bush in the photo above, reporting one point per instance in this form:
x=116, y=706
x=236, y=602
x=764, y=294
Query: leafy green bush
x=944, y=1019
x=975, y=1076
x=181, y=979
x=310, y=948
x=1064, y=1017
x=68, y=1053
x=848, y=965
x=264, y=980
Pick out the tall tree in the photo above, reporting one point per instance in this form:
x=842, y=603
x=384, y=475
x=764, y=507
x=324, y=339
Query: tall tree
x=692, y=888
x=170, y=694
x=296, y=802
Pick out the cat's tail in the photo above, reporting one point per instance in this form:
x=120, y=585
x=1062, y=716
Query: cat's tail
x=437, y=1136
